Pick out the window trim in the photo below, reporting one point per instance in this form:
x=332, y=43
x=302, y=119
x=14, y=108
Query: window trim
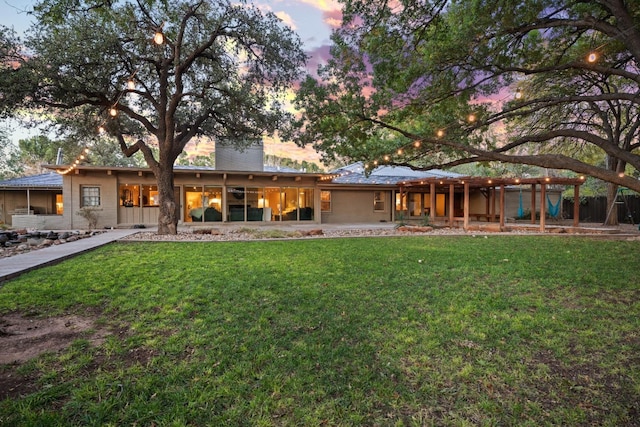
x=382, y=200
x=84, y=198
x=323, y=202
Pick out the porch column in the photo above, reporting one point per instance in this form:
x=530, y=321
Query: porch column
x=533, y=203
x=28, y=202
x=543, y=206
x=432, y=195
x=492, y=204
x=465, y=224
x=502, y=206
x=451, y=197
x=576, y=205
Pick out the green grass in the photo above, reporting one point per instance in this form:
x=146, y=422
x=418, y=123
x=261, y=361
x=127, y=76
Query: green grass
x=407, y=331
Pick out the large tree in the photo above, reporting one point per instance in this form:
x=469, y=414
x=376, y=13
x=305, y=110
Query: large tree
x=153, y=74
x=551, y=83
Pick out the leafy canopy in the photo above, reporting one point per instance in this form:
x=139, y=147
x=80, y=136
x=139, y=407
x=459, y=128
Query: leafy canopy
x=433, y=83
x=219, y=71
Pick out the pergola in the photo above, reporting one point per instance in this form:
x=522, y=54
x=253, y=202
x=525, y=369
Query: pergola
x=491, y=184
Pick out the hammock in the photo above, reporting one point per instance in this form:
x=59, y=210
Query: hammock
x=520, y=208
x=554, y=210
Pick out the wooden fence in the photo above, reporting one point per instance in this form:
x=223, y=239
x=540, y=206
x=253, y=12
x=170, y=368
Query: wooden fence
x=594, y=209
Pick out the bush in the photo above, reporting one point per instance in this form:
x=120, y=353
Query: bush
x=89, y=214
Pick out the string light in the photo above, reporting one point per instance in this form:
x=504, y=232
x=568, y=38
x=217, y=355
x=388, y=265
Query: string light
x=131, y=84
x=113, y=112
x=440, y=133
x=158, y=38
x=82, y=156
x=593, y=57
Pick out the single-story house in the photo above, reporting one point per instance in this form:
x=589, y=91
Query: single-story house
x=243, y=190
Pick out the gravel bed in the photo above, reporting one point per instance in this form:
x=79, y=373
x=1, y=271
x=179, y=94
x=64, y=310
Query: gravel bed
x=272, y=234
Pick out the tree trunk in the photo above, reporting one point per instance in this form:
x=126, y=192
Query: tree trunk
x=612, y=207
x=167, y=216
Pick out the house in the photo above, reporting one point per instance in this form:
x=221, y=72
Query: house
x=240, y=189
x=38, y=197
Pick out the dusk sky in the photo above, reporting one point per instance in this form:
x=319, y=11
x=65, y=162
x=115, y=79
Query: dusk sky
x=313, y=20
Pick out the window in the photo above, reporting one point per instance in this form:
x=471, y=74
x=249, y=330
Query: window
x=90, y=196
x=325, y=201
x=59, y=204
x=378, y=201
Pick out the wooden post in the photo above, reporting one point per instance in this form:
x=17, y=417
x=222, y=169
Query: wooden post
x=533, y=203
x=576, y=205
x=466, y=206
x=492, y=204
x=451, y=204
x=502, y=207
x=543, y=206
x=432, y=194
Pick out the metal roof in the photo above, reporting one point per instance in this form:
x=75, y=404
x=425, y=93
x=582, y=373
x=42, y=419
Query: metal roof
x=385, y=175
x=45, y=180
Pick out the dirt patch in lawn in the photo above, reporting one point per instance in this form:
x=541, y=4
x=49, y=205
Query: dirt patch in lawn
x=23, y=338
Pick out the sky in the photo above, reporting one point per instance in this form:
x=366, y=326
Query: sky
x=313, y=20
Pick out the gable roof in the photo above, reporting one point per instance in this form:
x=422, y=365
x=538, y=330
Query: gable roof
x=46, y=180
x=384, y=175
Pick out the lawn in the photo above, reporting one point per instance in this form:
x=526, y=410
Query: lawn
x=407, y=331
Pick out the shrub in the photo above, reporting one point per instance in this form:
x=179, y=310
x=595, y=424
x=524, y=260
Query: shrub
x=89, y=214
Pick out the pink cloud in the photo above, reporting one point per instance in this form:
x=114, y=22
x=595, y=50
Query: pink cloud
x=317, y=56
x=323, y=5
x=287, y=19
x=333, y=18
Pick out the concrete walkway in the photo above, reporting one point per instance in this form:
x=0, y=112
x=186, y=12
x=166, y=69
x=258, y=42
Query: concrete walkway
x=13, y=266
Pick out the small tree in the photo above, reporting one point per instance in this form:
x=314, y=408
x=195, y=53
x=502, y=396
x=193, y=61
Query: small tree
x=155, y=75
x=90, y=215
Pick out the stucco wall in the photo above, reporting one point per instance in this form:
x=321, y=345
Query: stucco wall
x=355, y=206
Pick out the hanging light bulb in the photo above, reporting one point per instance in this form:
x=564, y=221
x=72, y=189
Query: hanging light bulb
x=471, y=118
x=158, y=38
x=518, y=94
x=593, y=57
x=101, y=129
x=386, y=158
x=416, y=144
x=131, y=85
x=113, y=112
x=440, y=133
x=399, y=151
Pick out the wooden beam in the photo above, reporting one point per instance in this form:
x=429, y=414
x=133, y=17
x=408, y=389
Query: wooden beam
x=576, y=205
x=543, y=206
x=533, y=203
x=452, y=189
x=466, y=206
x=502, y=193
x=432, y=196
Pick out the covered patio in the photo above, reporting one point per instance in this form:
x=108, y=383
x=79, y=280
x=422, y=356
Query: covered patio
x=494, y=190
